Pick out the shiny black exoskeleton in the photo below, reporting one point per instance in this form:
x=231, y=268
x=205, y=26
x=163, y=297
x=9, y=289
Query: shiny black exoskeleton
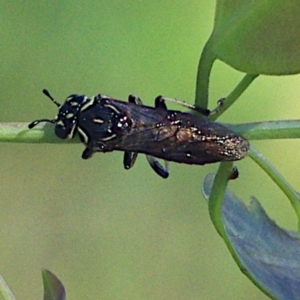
x=105, y=124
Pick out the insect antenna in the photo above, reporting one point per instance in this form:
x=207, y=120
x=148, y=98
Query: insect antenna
x=36, y=122
x=46, y=92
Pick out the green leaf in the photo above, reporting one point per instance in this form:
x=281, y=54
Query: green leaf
x=258, y=36
x=5, y=292
x=267, y=254
x=53, y=288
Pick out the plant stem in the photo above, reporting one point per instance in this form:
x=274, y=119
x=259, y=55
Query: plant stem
x=205, y=65
x=19, y=132
x=216, y=197
x=206, y=61
x=268, y=130
x=279, y=180
x=234, y=95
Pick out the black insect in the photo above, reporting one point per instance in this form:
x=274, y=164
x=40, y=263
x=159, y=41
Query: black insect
x=105, y=124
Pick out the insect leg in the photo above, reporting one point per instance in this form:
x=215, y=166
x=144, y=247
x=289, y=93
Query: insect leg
x=87, y=153
x=153, y=162
x=160, y=102
x=201, y=110
x=130, y=157
x=135, y=99
x=157, y=167
x=219, y=107
x=234, y=173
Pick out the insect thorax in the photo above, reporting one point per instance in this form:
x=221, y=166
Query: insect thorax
x=100, y=121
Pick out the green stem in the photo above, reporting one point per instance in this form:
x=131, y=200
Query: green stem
x=19, y=132
x=215, y=203
x=5, y=291
x=216, y=197
x=279, y=180
x=206, y=61
x=205, y=65
x=268, y=130
x=235, y=94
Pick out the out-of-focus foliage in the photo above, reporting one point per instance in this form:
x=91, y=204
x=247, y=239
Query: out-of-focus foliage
x=110, y=233
x=258, y=37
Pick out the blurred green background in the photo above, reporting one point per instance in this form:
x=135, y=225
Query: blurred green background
x=105, y=232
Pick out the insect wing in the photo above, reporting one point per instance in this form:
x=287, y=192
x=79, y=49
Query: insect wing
x=203, y=142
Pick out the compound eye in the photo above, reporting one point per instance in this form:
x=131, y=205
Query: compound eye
x=65, y=125
x=65, y=129
x=61, y=131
